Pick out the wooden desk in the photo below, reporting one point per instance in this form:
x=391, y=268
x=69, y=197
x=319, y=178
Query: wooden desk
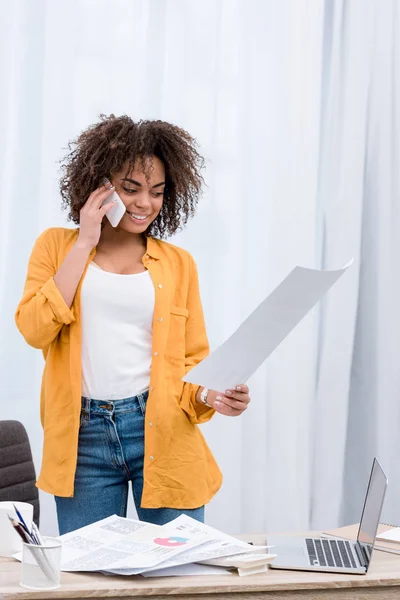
x=382, y=582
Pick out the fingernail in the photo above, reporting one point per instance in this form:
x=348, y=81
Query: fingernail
x=228, y=393
x=238, y=388
x=218, y=398
x=216, y=403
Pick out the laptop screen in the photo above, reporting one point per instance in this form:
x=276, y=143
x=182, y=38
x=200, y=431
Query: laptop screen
x=372, y=510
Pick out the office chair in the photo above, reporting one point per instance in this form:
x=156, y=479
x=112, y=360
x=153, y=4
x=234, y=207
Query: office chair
x=17, y=471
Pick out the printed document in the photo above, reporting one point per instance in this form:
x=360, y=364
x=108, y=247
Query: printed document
x=123, y=543
x=215, y=544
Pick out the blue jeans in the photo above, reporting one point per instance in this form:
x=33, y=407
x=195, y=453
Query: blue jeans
x=110, y=454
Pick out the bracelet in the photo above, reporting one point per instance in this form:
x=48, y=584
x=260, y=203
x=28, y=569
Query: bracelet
x=203, y=397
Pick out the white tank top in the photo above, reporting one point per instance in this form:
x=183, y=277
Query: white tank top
x=117, y=317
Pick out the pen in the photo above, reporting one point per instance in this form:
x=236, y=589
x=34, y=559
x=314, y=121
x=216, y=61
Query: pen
x=24, y=525
x=36, y=533
x=21, y=518
x=40, y=541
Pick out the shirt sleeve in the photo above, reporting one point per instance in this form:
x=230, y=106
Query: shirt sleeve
x=197, y=348
x=42, y=310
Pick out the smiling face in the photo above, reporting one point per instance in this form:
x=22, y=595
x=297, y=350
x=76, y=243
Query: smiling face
x=142, y=196
x=114, y=148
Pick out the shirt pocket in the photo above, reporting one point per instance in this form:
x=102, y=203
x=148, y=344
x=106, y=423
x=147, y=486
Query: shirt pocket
x=177, y=331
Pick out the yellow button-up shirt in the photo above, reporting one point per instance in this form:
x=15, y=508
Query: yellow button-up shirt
x=179, y=469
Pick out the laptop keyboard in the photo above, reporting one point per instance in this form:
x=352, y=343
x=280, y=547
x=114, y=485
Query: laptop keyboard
x=330, y=553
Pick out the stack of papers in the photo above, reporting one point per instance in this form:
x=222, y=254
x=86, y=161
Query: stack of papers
x=390, y=535
x=246, y=564
x=121, y=546
x=349, y=532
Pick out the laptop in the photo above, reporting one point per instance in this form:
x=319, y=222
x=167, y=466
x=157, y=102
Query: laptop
x=336, y=555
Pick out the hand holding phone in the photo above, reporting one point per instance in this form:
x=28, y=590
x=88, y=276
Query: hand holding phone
x=115, y=214
x=99, y=203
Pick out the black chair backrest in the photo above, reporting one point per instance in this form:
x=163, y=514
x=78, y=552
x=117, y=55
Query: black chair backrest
x=17, y=471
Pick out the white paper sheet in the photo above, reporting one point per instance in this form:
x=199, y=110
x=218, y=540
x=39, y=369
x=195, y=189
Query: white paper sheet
x=217, y=544
x=270, y=323
x=121, y=543
x=188, y=570
x=390, y=535
x=243, y=561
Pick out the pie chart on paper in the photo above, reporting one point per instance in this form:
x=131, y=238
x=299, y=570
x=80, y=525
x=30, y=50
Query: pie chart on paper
x=171, y=541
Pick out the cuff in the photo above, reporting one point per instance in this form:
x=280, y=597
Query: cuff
x=61, y=311
x=197, y=413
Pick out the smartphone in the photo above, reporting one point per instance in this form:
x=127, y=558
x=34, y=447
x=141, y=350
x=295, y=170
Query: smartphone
x=115, y=214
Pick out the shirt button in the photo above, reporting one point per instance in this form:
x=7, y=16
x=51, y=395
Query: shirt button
x=150, y=424
x=160, y=320
x=160, y=285
x=155, y=353
x=151, y=457
x=151, y=388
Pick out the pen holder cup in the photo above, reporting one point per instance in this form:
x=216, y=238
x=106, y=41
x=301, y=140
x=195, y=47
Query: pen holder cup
x=40, y=567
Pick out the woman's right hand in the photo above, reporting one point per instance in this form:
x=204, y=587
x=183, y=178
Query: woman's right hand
x=91, y=216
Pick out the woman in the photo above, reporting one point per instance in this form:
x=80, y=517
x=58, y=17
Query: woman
x=118, y=316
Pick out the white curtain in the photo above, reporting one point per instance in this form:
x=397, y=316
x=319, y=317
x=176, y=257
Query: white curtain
x=358, y=390
x=295, y=105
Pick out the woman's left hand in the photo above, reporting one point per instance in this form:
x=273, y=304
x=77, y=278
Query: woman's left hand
x=232, y=402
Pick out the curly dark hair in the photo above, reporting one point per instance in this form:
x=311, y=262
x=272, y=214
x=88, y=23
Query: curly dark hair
x=105, y=147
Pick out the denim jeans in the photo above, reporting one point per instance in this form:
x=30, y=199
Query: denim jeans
x=110, y=454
